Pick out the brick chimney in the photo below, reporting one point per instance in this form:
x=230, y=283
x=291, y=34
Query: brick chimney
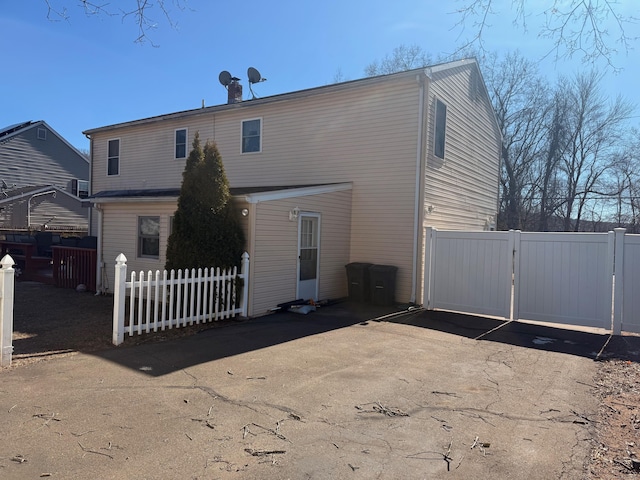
x=234, y=91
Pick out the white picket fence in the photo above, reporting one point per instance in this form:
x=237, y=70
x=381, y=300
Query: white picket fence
x=159, y=301
x=585, y=279
x=7, y=290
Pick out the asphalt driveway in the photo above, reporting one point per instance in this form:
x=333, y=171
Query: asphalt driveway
x=330, y=395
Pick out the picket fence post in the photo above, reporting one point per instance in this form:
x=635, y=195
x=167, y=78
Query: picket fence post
x=7, y=284
x=119, y=298
x=245, y=283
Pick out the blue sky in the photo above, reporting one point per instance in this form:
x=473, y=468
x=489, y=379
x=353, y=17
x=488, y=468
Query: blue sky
x=87, y=72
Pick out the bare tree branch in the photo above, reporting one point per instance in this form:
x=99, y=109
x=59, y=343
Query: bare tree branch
x=575, y=27
x=141, y=11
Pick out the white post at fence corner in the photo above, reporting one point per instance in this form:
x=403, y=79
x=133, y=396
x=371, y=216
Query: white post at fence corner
x=429, y=267
x=245, y=283
x=119, y=297
x=7, y=283
x=618, y=286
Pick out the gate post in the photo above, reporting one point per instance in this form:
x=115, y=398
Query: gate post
x=514, y=259
x=618, y=282
x=245, y=284
x=119, y=297
x=429, y=260
x=7, y=284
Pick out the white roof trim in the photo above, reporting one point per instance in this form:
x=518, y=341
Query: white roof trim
x=297, y=192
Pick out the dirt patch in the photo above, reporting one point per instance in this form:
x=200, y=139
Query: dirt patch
x=617, y=447
x=51, y=322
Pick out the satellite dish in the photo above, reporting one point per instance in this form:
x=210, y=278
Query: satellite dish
x=254, y=75
x=224, y=78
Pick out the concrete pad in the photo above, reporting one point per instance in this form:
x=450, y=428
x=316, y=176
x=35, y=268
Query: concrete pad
x=328, y=395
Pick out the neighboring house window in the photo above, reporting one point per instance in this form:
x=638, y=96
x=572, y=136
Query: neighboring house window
x=42, y=134
x=251, y=133
x=149, y=237
x=441, y=124
x=181, y=143
x=113, y=157
x=80, y=188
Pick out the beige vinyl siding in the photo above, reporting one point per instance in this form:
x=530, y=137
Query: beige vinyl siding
x=462, y=188
x=120, y=235
x=147, y=154
x=366, y=135
x=274, y=264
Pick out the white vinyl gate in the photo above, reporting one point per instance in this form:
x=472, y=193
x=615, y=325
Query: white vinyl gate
x=584, y=279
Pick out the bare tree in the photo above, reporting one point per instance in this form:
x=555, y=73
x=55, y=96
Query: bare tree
x=521, y=102
x=143, y=12
x=403, y=58
x=593, y=29
x=595, y=137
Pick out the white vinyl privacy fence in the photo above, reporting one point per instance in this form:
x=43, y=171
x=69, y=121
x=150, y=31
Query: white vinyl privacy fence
x=149, y=302
x=585, y=279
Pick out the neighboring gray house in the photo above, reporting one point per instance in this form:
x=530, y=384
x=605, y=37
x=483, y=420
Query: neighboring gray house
x=36, y=160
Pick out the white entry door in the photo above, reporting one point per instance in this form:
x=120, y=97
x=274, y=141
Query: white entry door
x=308, y=255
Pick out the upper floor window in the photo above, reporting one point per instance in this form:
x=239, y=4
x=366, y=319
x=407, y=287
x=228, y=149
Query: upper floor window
x=440, y=130
x=113, y=157
x=181, y=143
x=80, y=188
x=251, y=135
x=42, y=133
x=149, y=237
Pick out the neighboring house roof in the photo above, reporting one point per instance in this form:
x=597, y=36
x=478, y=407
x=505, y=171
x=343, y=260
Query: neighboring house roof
x=428, y=71
x=14, y=130
x=251, y=194
x=10, y=196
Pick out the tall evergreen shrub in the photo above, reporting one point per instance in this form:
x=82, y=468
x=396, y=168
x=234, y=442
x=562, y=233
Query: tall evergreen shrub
x=206, y=230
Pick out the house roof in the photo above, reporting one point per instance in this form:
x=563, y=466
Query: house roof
x=428, y=71
x=11, y=195
x=12, y=131
x=250, y=194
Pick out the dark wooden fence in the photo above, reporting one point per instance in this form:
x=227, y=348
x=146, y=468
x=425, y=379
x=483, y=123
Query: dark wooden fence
x=73, y=266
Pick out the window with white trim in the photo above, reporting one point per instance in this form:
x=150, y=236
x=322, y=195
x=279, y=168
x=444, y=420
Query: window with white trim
x=181, y=143
x=252, y=135
x=80, y=188
x=149, y=237
x=440, y=130
x=113, y=157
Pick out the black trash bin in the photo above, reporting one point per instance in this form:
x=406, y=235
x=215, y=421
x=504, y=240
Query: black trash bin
x=382, y=281
x=358, y=280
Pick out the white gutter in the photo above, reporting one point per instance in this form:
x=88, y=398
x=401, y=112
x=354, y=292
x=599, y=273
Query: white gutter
x=418, y=197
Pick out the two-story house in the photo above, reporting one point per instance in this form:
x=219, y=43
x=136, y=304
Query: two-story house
x=43, y=180
x=349, y=172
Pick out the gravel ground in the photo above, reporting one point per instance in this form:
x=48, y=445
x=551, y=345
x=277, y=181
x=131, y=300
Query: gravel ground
x=51, y=322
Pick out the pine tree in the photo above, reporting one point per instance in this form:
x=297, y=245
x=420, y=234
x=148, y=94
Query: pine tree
x=206, y=231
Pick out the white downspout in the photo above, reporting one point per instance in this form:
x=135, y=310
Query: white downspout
x=418, y=196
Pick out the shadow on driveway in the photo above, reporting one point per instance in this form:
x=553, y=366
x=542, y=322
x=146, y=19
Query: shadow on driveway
x=596, y=346
x=214, y=343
